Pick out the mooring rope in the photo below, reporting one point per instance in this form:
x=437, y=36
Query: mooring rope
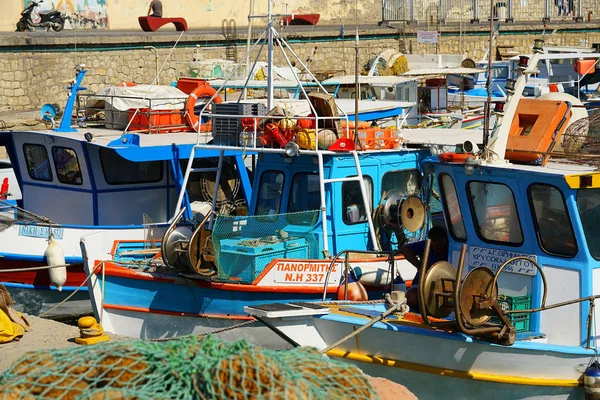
x=35, y=268
x=394, y=307
x=216, y=332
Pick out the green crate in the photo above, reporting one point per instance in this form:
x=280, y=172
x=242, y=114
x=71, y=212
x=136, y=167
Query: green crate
x=519, y=321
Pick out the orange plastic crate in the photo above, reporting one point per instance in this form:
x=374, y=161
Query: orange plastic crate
x=156, y=121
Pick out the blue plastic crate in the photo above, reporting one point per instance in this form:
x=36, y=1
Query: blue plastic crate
x=244, y=263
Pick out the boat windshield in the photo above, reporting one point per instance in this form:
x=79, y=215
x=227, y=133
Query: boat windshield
x=588, y=204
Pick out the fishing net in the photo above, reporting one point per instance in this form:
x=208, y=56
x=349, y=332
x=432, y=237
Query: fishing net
x=580, y=143
x=186, y=368
x=244, y=246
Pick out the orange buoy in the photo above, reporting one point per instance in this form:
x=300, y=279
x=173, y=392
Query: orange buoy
x=126, y=84
x=356, y=291
x=201, y=92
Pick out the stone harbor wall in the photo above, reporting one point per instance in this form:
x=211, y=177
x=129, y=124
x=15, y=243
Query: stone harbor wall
x=29, y=79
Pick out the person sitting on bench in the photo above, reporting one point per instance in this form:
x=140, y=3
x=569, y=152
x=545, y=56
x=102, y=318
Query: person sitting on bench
x=156, y=8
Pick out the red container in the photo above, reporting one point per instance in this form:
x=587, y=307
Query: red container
x=187, y=85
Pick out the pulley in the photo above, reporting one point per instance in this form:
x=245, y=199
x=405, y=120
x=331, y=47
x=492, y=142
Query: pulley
x=477, y=286
x=412, y=214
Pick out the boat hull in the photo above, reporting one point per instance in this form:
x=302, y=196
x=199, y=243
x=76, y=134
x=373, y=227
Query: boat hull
x=439, y=364
x=22, y=248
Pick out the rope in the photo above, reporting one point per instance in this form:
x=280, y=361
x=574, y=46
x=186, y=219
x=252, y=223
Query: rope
x=72, y=294
x=216, y=332
x=35, y=268
x=395, y=307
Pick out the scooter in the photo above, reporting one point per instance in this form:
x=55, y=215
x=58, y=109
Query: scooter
x=31, y=17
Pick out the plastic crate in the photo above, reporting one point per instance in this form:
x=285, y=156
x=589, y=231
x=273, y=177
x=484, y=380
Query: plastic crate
x=245, y=263
x=155, y=121
x=519, y=321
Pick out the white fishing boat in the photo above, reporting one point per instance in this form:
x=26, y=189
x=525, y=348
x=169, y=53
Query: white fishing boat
x=511, y=314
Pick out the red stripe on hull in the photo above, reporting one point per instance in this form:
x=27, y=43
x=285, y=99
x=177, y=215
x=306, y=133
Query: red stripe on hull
x=75, y=273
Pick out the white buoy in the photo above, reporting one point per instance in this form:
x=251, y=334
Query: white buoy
x=55, y=256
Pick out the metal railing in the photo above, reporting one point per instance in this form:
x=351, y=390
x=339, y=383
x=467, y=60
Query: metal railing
x=478, y=11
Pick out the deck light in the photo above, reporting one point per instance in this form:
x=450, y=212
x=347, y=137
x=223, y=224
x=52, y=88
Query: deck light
x=523, y=62
x=499, y=107
x=585, y=181
x=510, y=85
x=291, y=149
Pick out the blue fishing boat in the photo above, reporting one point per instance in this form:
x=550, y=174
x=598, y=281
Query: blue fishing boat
x=322, y=183
x=511, y=314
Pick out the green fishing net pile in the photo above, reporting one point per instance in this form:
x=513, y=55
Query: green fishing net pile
x=187, y=368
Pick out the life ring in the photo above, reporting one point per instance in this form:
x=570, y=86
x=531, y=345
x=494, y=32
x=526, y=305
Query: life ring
x=454, y=157
x=126, y=84
x=191, y=118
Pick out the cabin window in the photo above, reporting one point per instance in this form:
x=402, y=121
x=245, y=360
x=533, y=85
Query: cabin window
x=353, y=207
x=454, y=218
x=66, y=165
x=499, y=72
x=404, y=182
x=588, y=203
x=305, y=194
x=269, y=193
x=120, y=171
x=496, y=218
x=38, y=163
x=552, y=222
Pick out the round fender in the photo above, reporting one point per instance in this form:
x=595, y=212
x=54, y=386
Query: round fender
x=191, y=118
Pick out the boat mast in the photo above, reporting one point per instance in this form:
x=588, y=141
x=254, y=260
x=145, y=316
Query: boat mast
x=270, y=55
x=356, y=84
x=248, y=39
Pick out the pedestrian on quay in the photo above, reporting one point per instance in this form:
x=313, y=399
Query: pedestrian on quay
x=156, y=9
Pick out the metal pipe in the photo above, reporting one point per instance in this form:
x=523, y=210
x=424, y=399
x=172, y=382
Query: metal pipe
x=420, y=288
x=155, y=81
x=365, y=199
x=323, y=207
x=488, y=82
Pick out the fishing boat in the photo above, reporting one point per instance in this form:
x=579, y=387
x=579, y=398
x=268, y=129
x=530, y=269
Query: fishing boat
x=321, y=183
x=511, y=314
x=84, y=179
x=568, y=71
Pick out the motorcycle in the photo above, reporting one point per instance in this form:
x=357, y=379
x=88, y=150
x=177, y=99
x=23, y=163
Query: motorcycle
x=31, y=17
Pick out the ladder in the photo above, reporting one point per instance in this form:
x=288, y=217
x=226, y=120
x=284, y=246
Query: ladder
x=358, y=178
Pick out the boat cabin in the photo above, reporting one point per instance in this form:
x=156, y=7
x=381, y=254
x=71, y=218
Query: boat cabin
x=549, y=215
x=103, y=178
x=293, y=186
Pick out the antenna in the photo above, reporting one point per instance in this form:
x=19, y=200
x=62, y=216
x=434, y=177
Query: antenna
x=488, y=83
